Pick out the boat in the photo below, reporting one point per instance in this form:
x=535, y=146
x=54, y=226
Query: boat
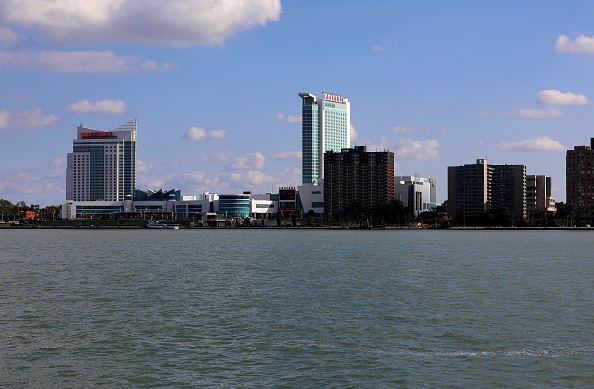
x=163, y=224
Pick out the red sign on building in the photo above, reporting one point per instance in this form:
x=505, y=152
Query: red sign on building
x=333, y=97
x=97, y=134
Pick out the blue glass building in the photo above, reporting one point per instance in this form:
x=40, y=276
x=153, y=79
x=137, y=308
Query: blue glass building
x=326, y=126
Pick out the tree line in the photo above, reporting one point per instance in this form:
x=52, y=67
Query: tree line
x=18, y=211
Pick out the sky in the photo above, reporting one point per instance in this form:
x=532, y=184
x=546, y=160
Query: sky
x=214, y=86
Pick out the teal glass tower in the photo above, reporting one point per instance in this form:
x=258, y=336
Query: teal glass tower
x=326, y=126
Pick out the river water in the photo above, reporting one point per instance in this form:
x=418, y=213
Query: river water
x=296, y=308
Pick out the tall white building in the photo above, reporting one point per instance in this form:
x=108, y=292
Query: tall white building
x=102, y=165
x=326, y=125
x=416, y=192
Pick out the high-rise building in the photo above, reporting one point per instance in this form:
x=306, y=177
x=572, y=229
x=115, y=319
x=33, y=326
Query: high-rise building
x=326, y=126
x=102, y=165
x=416, y=192
x=508, y=189
x=474, y=189
x=579, y=178
x=357, y=176
x=468, y=189
x=539, y=201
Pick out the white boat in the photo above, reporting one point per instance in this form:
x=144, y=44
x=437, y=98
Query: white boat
x=163, y=224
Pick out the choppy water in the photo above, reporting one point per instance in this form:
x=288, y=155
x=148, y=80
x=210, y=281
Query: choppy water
x=296, y=308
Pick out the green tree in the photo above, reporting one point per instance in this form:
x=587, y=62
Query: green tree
x=7, y=210
x=566, y=213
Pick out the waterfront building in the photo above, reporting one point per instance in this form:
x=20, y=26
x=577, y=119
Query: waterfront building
x=579, y=178
x=326, y=126
x=539, y=201
x=311, y=198
x=508, y=189
x=474, y=189
x=160, y=195
x=357, y=176
x=416, y=192
x=468, y=189
x=102, y=165
x=233, y=205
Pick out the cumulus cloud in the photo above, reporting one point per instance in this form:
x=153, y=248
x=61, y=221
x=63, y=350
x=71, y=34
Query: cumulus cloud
x=535, y=113
x=416, y=149
x=289, y=118
x=43, y=182
x=400, y=129
x=4, y=119
x=354, y=134
x=221, y=156
x=250, y=161
x=79, y=62
x=287, y=155
x=7, y=36
x=174, y=22
x=555, y=97
x=198, y=134
x=26, y=119
x=581, y=44
x=102, y=106
x=543, y=143
x=142, y=166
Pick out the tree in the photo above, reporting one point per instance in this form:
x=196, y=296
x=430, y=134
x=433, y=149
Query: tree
x=566, y=213
x=7, y=209
x=504, y=217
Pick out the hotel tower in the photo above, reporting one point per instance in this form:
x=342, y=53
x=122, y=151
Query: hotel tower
x=102, y=165
x=326, y=126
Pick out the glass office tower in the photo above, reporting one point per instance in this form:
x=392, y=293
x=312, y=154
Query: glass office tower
x=102, y=165
x=326, y=126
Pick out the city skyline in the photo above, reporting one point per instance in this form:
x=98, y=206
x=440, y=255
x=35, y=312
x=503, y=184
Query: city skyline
x=215, y=88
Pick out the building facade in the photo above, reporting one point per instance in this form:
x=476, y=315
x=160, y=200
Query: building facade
x=416, y=192
x=579, y=178
x=508, y=189
x=102, y=165
x=326, y=126
x=539, y=201
x=468, y=189
x=474, y=189
x=357, y=176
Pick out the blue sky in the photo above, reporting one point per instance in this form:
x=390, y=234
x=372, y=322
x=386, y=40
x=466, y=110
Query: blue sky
x=214, y=86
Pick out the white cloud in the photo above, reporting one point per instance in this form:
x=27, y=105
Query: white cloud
x=354, y=134
x=581, y=44
x=103, y=106
x=287, y=155
x=142, y=166
x=555, y=97
x=7, y=36
x=4, y=119
x=400, y=129
x=197, y=134
x=377, y=48
x=250, y=161
x=484, y=114
x=41, y=182
x=416, y=149
x=26, y=119
x=222, y=156
x=543, y=143
x=78, y=62
x=535, y=113
x=289, y=118
x=174, y=22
